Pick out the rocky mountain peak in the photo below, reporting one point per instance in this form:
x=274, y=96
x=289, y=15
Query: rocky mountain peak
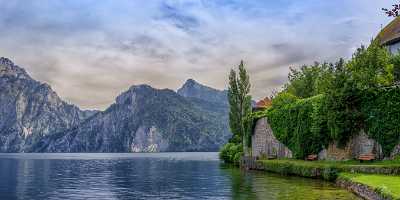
x=140, y=87
x=129, y=96
x=142, y=92
x=6, y=61
x=8, y=68
x=193, y=89
x=191, y=82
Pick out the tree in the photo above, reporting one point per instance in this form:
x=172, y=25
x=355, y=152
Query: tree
x=240, y=105
x=341, y=105
x=371, y=67
x=245, y=103
x=309, y=81
x=394, y=12
x=233, y=98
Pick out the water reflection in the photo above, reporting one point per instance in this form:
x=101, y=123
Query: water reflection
x=146, y=176
x=261, y=185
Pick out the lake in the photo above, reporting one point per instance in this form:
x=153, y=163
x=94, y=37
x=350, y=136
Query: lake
x=147, y=176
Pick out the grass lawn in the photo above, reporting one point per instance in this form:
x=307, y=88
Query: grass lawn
x=387, y=185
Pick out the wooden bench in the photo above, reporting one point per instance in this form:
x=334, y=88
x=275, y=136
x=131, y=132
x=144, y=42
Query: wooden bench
x=312, y=157
x=272, y=157
x=366, y=157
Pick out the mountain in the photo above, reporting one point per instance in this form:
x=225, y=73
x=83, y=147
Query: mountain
x=193, y=89
x=207, y=98
x=144, y=119
x=33, y=118
x=30, y=110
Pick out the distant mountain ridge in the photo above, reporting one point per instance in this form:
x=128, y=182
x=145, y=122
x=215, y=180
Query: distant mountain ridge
x=143, y=119
x=193, y=89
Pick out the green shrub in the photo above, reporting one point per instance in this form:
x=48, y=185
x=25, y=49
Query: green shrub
x=231, y=153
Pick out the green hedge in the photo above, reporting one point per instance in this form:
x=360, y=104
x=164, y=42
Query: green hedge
x=381, y=109
x=301, y=168
x=299, y=123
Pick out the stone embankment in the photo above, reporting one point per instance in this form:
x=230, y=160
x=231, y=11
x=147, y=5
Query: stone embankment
x=361, y=190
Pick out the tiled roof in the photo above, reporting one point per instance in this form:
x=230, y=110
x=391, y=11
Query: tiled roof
x=391, y=33
x=264, y=103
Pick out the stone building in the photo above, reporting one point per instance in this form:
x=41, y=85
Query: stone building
x=264, y=143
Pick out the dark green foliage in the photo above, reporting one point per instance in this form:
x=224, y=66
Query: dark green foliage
x=234, y=113
x=231, y=153
x=240, y=107
x=341, y=105
x=245, y=103
x=381, y=108
x=396, y=67
x=300, y=125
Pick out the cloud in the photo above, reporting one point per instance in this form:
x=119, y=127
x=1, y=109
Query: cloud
x=90, y=51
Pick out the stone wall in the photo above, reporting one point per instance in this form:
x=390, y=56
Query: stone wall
x=265, y=144
x=396, y=152
x=357, y=145
x=361, y=190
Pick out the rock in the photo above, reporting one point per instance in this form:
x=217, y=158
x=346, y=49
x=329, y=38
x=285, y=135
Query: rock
x=357, y=145
x=144, y=119
x=362, y=144
x=30, y=110
x=193, y=89
x=396, y=152
x=265, y=144
x=361, y=190
x=323, y=154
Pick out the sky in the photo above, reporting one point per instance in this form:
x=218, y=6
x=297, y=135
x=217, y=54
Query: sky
x=90, y=51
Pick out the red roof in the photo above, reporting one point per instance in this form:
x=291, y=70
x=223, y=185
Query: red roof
x=264, y=103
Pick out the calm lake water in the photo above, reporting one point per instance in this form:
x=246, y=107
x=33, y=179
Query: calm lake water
x=147, y=176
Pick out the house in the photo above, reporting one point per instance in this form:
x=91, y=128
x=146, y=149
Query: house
x=390, y=36
x=262, y=104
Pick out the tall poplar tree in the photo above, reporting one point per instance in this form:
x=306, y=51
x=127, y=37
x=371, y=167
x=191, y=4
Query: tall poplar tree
x=240, y=105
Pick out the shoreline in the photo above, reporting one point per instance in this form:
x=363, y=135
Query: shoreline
x=361, y=190
x=340, y=174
